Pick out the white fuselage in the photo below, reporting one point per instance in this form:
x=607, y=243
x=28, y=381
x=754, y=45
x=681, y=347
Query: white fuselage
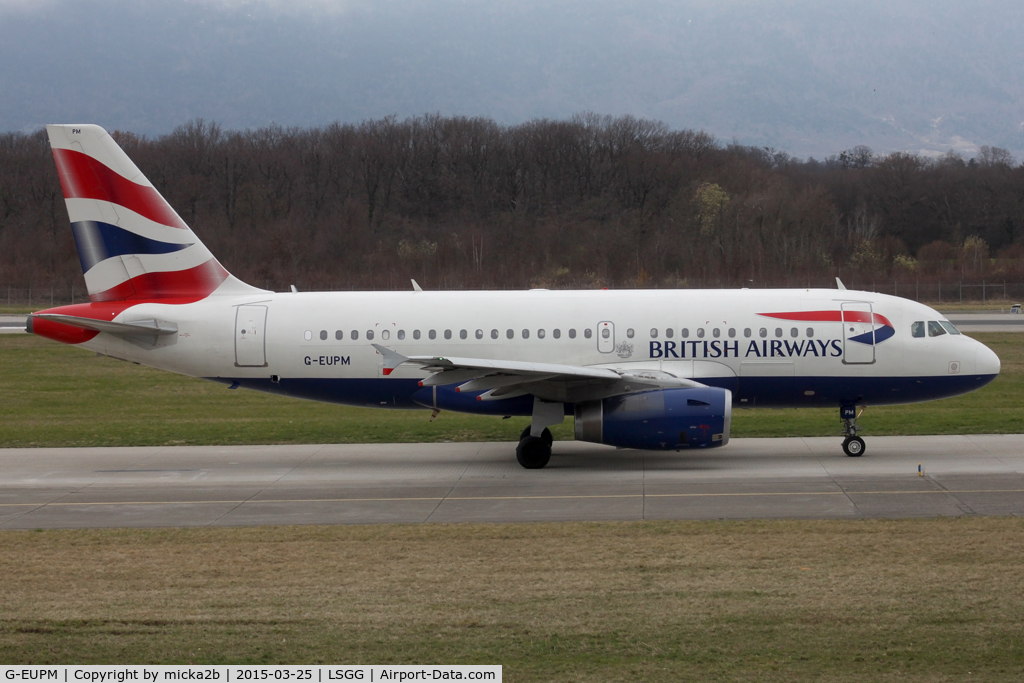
x=319, y=345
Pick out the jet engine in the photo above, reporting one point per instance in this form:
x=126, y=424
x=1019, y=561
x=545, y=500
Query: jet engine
x=665, y=419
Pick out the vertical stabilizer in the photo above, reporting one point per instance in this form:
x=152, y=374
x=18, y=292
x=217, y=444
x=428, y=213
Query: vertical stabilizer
x=132, y=244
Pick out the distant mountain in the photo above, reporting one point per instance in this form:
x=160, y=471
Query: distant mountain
x=808, y=77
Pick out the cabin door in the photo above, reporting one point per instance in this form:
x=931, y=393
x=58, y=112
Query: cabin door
x=858, y=333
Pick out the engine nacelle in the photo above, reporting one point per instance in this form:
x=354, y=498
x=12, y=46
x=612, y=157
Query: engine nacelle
x=666, y=419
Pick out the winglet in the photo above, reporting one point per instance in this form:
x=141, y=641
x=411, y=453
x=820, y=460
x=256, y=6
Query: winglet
x=839, y=284
x=392, y=359
x=416, y=286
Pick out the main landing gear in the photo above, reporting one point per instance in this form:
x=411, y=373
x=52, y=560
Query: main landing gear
x=534, y=451
x=853, y=445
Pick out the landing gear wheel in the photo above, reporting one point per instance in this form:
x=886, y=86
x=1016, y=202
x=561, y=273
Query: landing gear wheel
x=533, y=452
x=854, y=446
x=546, y=435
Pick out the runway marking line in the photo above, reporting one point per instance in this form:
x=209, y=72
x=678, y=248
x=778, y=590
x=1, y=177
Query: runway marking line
x=443, y=498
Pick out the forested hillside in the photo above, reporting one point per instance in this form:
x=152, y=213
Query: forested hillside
x=588, y=202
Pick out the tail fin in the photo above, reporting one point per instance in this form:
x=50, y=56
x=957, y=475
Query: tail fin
x=132, y=244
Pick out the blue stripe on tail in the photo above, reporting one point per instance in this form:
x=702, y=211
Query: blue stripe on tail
x=99, y=241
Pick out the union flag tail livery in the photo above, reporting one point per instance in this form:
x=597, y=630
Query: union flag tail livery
x=651, y=369
x=133, y=246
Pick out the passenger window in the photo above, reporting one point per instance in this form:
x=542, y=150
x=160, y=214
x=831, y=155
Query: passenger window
x=540, y=334
x=949, y=327
x=778, y=331
x=355, y=335
x=308, y=335
x=494, y=334
x=716, y=332
x=556, y=333
x=401, y=334
x=654, y=333
x=810, y=331
x=447, y=334
x=917, y=329
x=794, y=332
x=700, y=332
x=588, y=333
x=415, y=334
x=432, y=334
x=323, y=335
x=385, y=335
x=746, y=331
x=572, y=333
x=685, y=333
x=369, y=334
x=668, y=332
x=732, y=331
x=339, y=335
x=463, y=334
x=526, y=334
x=510, y=334
x=479, y=334
x=762, y=333
x=935, y=329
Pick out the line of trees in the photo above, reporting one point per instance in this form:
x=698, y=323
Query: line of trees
x=591, y=201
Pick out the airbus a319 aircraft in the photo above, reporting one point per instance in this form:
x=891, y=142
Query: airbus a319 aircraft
x=644, y=369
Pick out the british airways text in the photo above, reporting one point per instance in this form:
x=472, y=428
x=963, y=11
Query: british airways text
x=765, y=348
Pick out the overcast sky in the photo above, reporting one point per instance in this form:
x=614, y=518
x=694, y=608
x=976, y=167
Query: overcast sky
x=809, y=77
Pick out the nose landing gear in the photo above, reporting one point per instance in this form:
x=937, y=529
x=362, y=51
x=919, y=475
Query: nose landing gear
x=853, y=445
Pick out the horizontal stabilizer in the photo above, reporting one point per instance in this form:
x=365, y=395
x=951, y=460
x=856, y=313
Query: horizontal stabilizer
x=135, y=328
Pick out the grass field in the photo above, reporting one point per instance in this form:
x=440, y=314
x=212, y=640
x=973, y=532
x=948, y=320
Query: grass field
x=923, y=600
x=55, y=395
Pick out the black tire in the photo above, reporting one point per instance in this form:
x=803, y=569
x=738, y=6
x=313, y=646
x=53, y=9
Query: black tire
x=546, y=435
x=854, y=447
x=533, y=453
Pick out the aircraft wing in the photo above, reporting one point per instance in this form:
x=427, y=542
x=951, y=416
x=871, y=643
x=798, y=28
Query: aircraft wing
x=500, y=379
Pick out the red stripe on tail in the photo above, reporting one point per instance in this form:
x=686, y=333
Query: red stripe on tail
x=82, y=177
x=185, y=285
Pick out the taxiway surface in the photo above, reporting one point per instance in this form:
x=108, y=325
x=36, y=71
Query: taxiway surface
x=481, y=482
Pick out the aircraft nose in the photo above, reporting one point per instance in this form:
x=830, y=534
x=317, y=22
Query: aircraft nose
x=986, y=362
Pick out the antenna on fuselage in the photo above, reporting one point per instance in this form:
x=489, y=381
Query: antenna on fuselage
x=416, y=286
x=839, y=284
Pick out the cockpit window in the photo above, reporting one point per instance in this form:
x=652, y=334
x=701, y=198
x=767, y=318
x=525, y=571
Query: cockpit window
x=935, y=329
x=949, y=327
x=917, y=329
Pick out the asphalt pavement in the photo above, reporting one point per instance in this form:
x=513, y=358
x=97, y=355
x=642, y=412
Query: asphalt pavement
x=805, y=478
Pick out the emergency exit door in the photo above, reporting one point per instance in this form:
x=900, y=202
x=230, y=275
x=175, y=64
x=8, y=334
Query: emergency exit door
x=606, y=337
x=250, y=336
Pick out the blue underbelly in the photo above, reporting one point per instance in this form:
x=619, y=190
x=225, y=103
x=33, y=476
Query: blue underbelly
x=748, y=392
